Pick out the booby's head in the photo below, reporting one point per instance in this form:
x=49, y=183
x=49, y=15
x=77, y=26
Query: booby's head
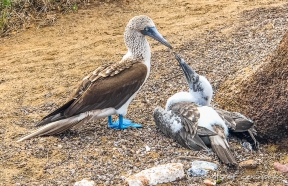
x=199, y=87
x=139, y=27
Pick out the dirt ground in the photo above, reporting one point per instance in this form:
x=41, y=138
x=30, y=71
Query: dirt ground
x=41, y=66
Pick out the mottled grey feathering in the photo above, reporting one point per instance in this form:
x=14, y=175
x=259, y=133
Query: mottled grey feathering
x=238, y=123
x=183, y=137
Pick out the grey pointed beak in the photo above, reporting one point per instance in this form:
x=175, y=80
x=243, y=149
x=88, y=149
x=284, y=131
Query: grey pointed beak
x=153, y=32
x=190, y=74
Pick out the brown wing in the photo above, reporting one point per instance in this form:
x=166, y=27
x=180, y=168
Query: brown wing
x=235, y=121
x=112, y=91
x=239, y=125
x=189, y=115
x=105, y=87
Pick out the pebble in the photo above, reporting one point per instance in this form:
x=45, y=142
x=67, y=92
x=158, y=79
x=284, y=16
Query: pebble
x=247, y=146
x=160, y=174
x=197, y=172
x=147, y=148
x=209, y=182
x=205, y=165
x=249, y=164
x=201, y=168
x=85, y=182
x=280, y=167
x=72, y=171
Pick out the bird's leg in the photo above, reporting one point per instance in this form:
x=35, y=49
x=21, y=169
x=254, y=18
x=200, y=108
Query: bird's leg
x=122, y=123
x=110, y=121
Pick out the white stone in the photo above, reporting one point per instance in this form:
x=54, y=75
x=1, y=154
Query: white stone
x=85, y=182
x=205, y=165
x=247, y=146
x=147, y=148
x=197, y=172
x=201, y=168
x=156, y=175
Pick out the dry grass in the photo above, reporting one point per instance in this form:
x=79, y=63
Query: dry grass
x=23, y=14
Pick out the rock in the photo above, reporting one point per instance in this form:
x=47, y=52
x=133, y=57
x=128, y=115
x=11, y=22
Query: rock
x=249, y=164
x=155, y=175
x=209, y=182
x=260, y=95
x=247, y=146
x=205, y=165
x=147, y=148
x=197, y=172
x=280, y=167
x=201, y=168
x=85, y=182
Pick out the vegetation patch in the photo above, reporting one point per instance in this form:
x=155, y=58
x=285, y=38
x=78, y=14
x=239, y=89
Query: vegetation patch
x=23, y=14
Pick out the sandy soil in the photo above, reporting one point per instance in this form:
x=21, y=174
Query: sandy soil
x=41, y=66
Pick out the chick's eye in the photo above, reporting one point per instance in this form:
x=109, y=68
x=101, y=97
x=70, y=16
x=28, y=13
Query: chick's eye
x=146, y=29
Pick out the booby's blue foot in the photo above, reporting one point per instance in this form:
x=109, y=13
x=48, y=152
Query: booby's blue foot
x=122, y=123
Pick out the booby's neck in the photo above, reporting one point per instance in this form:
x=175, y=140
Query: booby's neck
x=138, y=46
x=200, y=95
x=179, y=97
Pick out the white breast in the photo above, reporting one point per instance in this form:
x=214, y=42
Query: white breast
x=147, y=58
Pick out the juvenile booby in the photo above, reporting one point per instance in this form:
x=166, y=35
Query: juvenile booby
x=108, y=90
x=189, y=119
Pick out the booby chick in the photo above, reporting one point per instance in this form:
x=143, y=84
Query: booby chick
x=108, y=90
x=195, y=118
x=201, y=92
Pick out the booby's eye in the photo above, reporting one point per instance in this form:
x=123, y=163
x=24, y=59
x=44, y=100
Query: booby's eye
x=146, y=31
x=196, y=78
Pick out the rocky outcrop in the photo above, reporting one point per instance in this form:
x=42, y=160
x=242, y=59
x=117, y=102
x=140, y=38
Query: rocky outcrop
x=262, y=95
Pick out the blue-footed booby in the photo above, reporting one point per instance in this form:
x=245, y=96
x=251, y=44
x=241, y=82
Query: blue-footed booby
x=190, y=120
x=109, y=89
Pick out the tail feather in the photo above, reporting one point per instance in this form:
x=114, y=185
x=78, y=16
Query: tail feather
x=57, y=126
x=221, y=148
x=65, y=124
x=56, y=115
x=50, y=119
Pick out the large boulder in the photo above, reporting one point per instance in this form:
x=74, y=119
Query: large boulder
x=261, y=93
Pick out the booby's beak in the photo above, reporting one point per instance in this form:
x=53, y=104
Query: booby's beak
x=153, y=32
x=191, y=76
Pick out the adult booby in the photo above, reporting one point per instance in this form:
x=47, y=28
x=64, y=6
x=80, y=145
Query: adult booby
x=108, y=90
x=189, y=119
